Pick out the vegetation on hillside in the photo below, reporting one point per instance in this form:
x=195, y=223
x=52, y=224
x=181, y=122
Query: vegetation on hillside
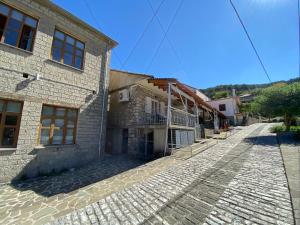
x=222, y=91
x=278, y=100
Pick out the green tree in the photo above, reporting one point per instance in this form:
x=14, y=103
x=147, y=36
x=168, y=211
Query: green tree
x=279, y=100
x=220, y=94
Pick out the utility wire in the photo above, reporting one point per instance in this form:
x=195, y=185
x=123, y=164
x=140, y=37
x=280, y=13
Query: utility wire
x=167, y=38
x=99, y=27
x=142, y=34
x=165, y=35
x=250, y=40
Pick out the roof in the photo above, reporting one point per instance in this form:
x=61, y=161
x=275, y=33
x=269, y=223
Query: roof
x=121, y=79
x=164, y=82
x=63, y=12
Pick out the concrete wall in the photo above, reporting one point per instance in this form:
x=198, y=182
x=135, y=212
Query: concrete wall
x=231, y=106
x=60, y=85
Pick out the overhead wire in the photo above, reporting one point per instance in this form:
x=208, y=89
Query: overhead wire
x=250, y=40
x=142, y=34
x=165, y=34
x=167, y=38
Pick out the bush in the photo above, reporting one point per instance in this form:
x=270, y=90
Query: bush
x=277, y=129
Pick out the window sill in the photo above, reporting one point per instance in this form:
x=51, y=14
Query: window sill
x=8, y=149
x=65, y=65
x=14, y=47
x=54, y=146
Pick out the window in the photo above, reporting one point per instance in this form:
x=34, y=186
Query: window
x=67, y=50
x=16, y=28
x=10, y=118
x=222, y=107
x=58, y=125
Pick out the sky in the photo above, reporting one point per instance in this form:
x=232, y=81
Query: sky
x=205, y=44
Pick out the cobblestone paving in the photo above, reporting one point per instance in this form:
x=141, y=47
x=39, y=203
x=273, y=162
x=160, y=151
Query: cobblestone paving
x=234, y=182
x=44, y=199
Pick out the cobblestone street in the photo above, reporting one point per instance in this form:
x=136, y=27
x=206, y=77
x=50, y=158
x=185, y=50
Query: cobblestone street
x=240, y=180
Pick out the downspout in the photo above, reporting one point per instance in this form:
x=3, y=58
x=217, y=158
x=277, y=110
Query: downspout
x=103, y=101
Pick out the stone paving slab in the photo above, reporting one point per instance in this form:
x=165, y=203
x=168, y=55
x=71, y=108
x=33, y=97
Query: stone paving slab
x=290, y=149
x=40, y=200
x=150, y=202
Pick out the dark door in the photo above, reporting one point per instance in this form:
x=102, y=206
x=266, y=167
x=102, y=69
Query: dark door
x=125, y=141
x=150, y=145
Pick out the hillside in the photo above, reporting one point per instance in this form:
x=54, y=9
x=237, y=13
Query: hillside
x=226, y=90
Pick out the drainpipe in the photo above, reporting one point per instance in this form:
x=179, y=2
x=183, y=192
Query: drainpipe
x=103, y=101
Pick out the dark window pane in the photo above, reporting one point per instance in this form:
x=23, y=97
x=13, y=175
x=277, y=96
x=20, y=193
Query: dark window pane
x=14, y=24
x=79, y=53
x=46, y=122
x=71, y=124
x=4, y=9
x=68, y=59
x=70, y=40
x=8, y=136
x=26, y=38
x=2, y=25
x=69, y=48
x=59, y=123
x=72, y=113
x=47, y=111
x=17, y=15
x=69, y=137
x=79, y=45
x=30, y=22
x=78, y=62
x=57, y=43
x=11, y=37
x=14, y=107
x=59, y=35
x=1, y=105
x=45, y=136
x=56, y=54
x=11, y=120
x=57, y=137
x=60, y=111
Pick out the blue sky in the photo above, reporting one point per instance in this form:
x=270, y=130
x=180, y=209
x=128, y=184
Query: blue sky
x=210, y=44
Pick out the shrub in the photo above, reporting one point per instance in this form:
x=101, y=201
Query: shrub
x=277, y=129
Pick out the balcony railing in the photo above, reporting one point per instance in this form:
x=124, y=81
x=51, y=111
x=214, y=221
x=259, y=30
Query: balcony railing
x=178, y=118
x=152, y=119
x=182, y=118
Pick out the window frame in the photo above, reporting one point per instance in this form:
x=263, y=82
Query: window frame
x=25, y=15
x=222, y=105
x=63, y=49
x=52, y=127
x=3, y=126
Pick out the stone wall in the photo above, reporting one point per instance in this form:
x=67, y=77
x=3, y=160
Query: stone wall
x=128, y=114
x=59, y=85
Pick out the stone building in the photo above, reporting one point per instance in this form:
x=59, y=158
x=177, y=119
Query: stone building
x=53, y=89
x=138, y=121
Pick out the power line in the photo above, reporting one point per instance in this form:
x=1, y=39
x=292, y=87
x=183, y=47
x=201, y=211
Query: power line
x=167, y=38
x=165, y=35
x=99, y=27
x=142, y=34
x=250, y=40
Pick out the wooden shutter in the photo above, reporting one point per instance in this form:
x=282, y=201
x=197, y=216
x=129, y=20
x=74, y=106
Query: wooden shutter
x=148, y=105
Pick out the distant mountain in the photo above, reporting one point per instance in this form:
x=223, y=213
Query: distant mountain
x=222, y=91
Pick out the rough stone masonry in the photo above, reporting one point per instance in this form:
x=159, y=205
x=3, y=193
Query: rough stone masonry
x=59, y=85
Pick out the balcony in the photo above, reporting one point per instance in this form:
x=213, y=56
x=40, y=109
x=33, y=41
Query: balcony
x=178, y=118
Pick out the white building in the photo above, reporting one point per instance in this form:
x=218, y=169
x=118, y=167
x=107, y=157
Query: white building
x=228, y=106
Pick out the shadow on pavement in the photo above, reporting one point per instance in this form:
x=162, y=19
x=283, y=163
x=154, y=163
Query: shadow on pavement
x=74, y=179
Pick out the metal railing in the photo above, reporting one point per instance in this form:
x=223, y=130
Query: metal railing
x=182, y=118
x=152, y=119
